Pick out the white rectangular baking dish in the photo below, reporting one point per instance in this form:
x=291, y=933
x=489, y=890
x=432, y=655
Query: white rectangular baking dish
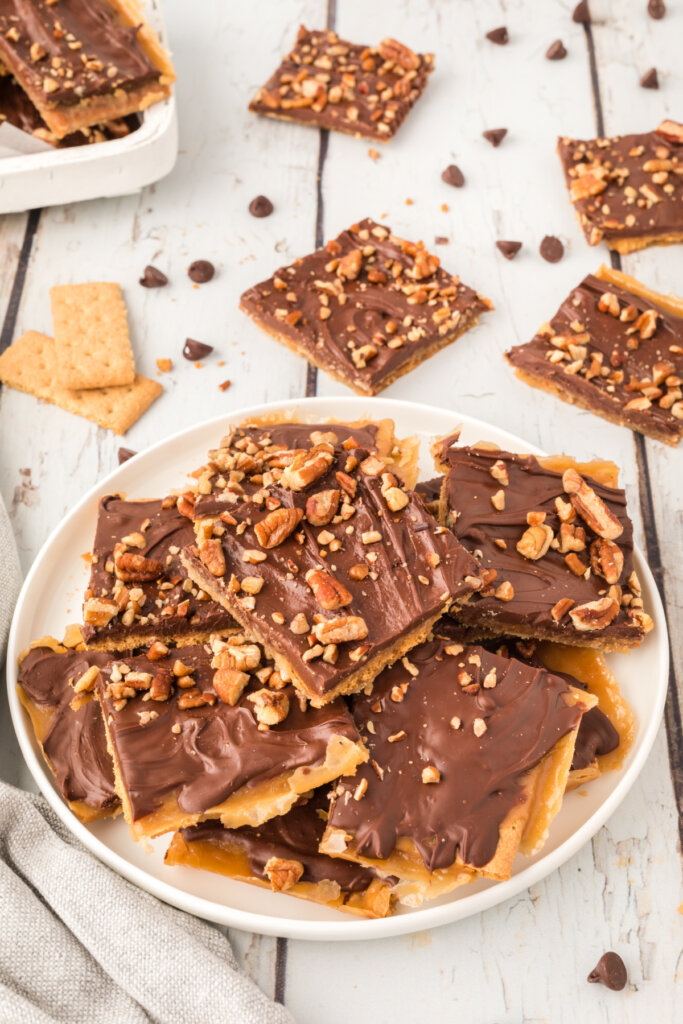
x=114, y=168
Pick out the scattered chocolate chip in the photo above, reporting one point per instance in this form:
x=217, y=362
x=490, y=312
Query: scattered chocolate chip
x=509, y=249
x=556, y=51
x=153, y=278
x=453, y=176
x=551, y=249
x=495, y=135
x=261, y=207
x=225, y=385
x=650, y=79
x=125, y=454
x=194, y=350
x=441, y=240
x=581, y=13
x=498, y=35
x=610, y=971
x=656, y=9
x=200, y=271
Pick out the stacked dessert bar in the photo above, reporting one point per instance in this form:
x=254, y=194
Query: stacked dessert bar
x=321, y=677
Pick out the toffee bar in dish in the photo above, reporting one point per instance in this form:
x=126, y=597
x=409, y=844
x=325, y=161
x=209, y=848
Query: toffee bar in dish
x=337, y=570
x=83, y=62
x=614, y=347
x=554, y=543
x=327, y=82
x=627, y=189
x=16, y=109
x=212, y=731
x=252, y=452
x=469, y=757
x=139, y=590
x=283, y=855
x=56, y=684
x=366, y=308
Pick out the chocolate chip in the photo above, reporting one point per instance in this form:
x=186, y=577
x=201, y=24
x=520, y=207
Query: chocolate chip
x=201, y=271
x=650, y=79
x=261, y=207
x=441, y=240
x=610, y=971
x=495, y=135
x=509, y=249
x=656, y=9
x=125, y=454
x=453, y=176
x=153, y=278
x=194, y=350
x=556, y=51
x=498, y=35
x=551, y=249
x=581, y=13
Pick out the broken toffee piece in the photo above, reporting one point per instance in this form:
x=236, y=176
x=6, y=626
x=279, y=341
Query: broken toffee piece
x=614, y=347
x=469, y=756
x=283, y=854
x=138, y=589
x=327, y=82
x=83, y=64
x=55, y=687
x=213, y=732
x=333, y=567
x=627, y=189
x=554, y=544
x=366, y=308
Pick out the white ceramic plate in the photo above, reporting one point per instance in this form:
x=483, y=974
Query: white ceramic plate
x=51, y=598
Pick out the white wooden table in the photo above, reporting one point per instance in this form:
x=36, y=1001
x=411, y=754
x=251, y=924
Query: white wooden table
x=526, y=960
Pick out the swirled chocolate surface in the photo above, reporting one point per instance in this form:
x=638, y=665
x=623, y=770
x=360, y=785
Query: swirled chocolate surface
x=75, y=742
x=366, y=320
x=292, y=836
x=216, y=749
x=408, y=723
x=169, y=607
x=77, y=46
x=537, y=585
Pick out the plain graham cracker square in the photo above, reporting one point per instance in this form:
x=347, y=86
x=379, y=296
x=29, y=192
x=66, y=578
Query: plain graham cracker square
x=30, y=365
x=92, y=343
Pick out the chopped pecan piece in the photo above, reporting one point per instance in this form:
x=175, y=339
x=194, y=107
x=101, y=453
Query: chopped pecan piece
x=99, y=612
x=307, y=467
x=160, y=687
x=244, y=657
x=595, y=614
x=607, y=560
x=390, y=49
x=277, y=526
x=134, y=568
x=342, y=629
x=211, y=554
x=590, y=506
x=328, y=591
x=322, y=507
x=283, y=874
x=535, y=541
x=229, y=684
x=270, y=706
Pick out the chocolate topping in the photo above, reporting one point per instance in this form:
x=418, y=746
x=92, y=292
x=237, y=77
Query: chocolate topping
x=525, y=713
x=365, y=305
x=626, y=186
x=169, y=606
x=71, y=50
x=332, y=83
x=533, y=587
x=75, y=743
x=391, y=570
x=617, y=338
x=293, y=836
x=217, y=748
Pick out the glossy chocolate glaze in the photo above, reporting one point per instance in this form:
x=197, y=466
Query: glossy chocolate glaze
x=538, y=585
x=612, y=341
x=262, y=444
x=218, y=749
x=293, y=836
x=116, y=59
x=391, y=605
x=461, y=815
x=373, y=100
x=75, y=743
x=365, y=310
x=616, y=211
x=118, y=518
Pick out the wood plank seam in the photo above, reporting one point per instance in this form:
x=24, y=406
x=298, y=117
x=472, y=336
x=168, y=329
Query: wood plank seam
x=9, y=323
x=672, y=711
